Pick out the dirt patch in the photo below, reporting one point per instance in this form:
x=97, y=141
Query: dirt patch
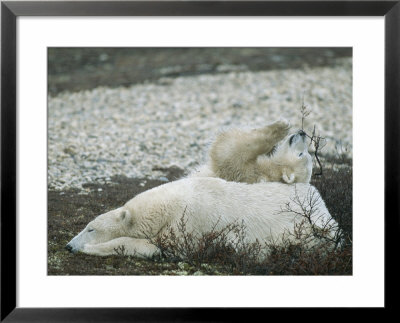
x=77, y=69
x=70, y=211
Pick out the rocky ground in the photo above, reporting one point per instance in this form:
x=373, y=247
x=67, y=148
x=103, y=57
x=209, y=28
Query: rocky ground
x=146, y=117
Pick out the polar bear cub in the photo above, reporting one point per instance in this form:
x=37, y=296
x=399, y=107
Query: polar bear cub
x=205, y=202
x=242, y=156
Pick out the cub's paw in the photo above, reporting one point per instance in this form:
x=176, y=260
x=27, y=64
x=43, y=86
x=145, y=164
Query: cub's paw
x=278, y=130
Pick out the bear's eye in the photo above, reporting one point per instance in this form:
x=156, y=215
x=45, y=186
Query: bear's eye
x=301, y=154
x=90, y=230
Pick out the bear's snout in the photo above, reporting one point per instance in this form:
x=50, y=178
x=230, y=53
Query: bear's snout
x=68, y=247
x=302, y=133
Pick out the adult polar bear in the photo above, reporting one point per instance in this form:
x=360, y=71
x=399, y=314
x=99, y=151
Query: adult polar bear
x=204, y=202
x=265, y=154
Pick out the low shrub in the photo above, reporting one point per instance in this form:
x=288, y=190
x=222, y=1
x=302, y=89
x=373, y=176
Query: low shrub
x=294, y=254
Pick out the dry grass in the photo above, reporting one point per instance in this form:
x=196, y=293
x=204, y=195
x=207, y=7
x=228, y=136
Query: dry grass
x=219, y=252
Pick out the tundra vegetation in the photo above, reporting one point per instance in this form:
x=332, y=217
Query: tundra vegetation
x=211, y=253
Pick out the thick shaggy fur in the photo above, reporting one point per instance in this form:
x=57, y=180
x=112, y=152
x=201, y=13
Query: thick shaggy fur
x=205, y=201
x=256, y=156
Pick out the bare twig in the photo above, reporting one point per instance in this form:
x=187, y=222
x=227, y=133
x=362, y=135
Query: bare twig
x=120, y=250
x=304, y=113
x=307, y=211
x=314, y=139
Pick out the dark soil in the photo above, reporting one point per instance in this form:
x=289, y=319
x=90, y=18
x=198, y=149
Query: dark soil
x=70, y=211
x=76, y=69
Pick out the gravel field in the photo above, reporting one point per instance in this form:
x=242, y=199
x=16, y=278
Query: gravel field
x=139, y=130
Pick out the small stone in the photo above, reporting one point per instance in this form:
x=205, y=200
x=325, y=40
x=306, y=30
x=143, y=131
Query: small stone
x=99, y=133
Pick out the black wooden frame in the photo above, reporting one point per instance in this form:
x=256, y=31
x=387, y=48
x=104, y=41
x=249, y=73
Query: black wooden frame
x=11, y=10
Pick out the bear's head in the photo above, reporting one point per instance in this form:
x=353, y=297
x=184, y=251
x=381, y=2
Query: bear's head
x=103, y=228
x=293, y=157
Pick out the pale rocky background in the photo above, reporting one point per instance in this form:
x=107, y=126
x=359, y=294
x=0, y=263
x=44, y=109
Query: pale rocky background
x=132, y=112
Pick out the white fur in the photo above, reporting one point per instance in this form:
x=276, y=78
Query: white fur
x=205, y=202
x=240, y=155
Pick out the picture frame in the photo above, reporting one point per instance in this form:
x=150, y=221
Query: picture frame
x=10, y=11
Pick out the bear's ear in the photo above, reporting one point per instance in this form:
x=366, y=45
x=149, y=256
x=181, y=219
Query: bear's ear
x=125, y=215
x=288, y=179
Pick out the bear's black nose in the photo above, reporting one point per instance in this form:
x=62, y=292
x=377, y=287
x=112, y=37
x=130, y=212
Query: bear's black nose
x=302, y=133
x=68, y=247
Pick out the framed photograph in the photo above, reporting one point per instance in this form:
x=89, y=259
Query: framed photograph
x=167, y=161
